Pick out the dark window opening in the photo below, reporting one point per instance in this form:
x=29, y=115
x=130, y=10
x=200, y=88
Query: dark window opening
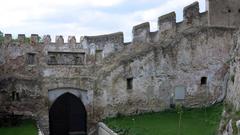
x=30, y=58
x=203, y=80
x=13, y=95
x=52, y=60
x=229, y=10
x=77, y=60
x=17, y=96
x=239, y=10
x=129, y=83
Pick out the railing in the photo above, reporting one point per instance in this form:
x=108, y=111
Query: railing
x=102, y=129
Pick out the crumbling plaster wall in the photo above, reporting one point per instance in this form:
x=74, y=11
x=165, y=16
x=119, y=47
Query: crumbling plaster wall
x=158, y=68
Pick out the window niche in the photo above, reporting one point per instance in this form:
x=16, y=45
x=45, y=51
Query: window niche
x=180, y=92
x=66, y=58
x=52, y=60
x=129, y=83
x=15, y=96
x=99, y=55
x=203, y=80
x=78, y=60
x=31, y=58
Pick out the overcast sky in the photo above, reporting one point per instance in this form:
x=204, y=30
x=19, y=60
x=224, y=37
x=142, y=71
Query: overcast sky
x=84, y=17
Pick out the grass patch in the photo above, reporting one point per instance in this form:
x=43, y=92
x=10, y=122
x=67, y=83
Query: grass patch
x=203, y=121
x=27, y=127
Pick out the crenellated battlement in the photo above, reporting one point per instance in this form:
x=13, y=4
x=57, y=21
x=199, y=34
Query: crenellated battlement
x=114, y=38
x=167, y=21
x=191, y=12
x=140, y=33
x=167, y=25
x=59, y=39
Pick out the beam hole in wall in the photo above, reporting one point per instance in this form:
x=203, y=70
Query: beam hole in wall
x=238, y=10
x=229, y=10
x=203, y=80
x=129, y=83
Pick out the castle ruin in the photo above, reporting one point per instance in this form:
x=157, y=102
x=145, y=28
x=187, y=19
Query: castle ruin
x=194, y=62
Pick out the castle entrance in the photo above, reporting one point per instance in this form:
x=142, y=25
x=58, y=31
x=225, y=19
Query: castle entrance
x=67, y=116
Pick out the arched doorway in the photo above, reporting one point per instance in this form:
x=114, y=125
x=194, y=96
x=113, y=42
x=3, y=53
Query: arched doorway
x=67, y=116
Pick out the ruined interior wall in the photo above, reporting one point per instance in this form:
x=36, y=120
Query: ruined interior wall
x=158, y=68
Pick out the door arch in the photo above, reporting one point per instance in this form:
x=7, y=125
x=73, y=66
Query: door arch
x=67, y=116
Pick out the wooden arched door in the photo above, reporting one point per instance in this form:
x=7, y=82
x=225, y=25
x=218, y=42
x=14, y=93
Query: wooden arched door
x=67, y=116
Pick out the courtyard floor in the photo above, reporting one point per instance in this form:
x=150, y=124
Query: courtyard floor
x=204, y=121
x=27, y=127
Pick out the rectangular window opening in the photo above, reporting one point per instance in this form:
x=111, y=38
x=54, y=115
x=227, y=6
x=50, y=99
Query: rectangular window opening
x=13, y=95
x=203, y=80
x=99, y=55
x=31, y=58
x=52, y=60
x=129, y=83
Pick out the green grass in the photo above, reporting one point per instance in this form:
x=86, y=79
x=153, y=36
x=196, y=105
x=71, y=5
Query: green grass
x=203, y=121
x=27, y=127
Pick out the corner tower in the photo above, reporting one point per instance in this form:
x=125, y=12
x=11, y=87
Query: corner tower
x=224, y=13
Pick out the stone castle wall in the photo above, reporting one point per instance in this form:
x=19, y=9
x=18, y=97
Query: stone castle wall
x=184, y=62
x=224, y=12
x=233, y=80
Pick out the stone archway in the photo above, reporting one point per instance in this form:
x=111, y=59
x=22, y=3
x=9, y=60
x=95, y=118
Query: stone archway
x=67, y=116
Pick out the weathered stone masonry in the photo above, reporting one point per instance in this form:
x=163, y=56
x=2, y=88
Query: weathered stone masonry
x=184, y=62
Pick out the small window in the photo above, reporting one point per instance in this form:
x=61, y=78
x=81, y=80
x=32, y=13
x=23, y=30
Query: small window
x=31, y=58
x=52, y=60
x=17, y=96
x=13, y=95
x=203, y=80
x=78, y=60
x=239, y=10
x=99, y=55
x=229, y=10
x=129, y=83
